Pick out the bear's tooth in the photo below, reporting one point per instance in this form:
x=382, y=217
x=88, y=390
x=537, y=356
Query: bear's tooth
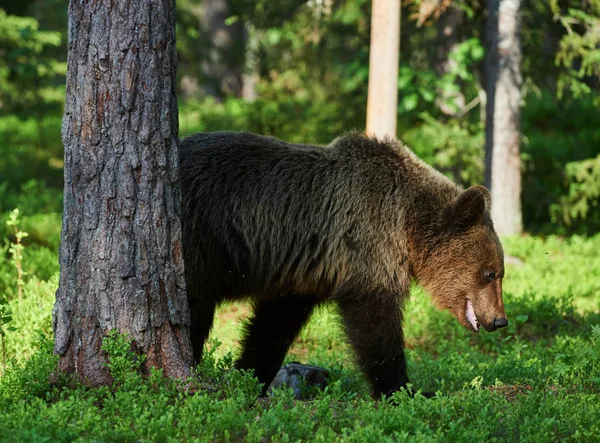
x=471, y=315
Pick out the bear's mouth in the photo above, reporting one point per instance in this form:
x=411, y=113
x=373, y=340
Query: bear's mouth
x=470, y=314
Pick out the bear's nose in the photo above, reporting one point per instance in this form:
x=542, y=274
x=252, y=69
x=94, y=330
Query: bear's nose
x=500, y=323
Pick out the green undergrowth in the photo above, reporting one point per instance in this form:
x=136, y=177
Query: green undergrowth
x=536, y=380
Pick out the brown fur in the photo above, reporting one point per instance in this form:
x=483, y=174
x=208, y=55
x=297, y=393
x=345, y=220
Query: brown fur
x=292, y=226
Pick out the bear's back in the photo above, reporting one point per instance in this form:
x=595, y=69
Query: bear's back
x=276, y=214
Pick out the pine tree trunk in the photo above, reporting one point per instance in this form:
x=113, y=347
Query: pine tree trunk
x=503, y=115
x=121, y=260
x=382, y=101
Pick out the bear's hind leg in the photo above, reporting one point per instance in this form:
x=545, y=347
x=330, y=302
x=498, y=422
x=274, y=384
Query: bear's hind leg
x=270, y=332
x=373, y=324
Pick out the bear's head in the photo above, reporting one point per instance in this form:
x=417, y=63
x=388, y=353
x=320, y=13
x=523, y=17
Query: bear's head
x=463, y=272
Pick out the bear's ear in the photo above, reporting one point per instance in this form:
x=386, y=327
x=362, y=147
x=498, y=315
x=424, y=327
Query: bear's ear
x=469, y=207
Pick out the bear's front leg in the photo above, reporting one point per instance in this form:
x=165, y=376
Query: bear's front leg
x=271, y=331
x=373, y=324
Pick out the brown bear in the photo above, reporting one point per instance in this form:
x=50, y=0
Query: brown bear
x=292, y=226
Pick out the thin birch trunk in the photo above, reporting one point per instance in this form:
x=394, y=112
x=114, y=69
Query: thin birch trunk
x=503, y=114
x=382, y=101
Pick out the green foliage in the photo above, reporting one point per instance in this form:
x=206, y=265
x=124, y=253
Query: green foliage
x=555, y=134
x=584, y=193
x=36, y=232
x=286, y=44
x=579, y=55
x=30, y=380
x=216, y=374
x=123, y=363
x=31, y=99
x=40, y=218
x=579, y=48
x=454, y=147
x=31, y=317
x=421, y=87
x=31, y=151
x=537, y=380
x=27, y=73
x=264, y=117
x=5, y=320
x=310, y=62
x=34, y=198
x=40, y=264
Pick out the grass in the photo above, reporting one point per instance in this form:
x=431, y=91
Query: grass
x=537, y=380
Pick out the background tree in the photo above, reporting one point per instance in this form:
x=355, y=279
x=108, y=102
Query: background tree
x=120, y=256
x=216, y=67
x=503, y=114
x=224, y=65
x=451, y=101
x=382, y=99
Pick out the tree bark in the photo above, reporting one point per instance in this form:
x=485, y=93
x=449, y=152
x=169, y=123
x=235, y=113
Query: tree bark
x=120, y=258
x=382, y=99
x=503, y=114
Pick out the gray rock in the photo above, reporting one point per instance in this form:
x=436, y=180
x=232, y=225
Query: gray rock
x=299, y=377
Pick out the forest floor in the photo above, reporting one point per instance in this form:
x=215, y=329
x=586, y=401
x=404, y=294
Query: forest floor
x=536, y=380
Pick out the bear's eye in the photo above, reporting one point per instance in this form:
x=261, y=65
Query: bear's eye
x=489, y=275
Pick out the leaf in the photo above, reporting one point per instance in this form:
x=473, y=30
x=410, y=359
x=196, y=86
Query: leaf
x=521, y=318
x=410, y=102
x=231, y=20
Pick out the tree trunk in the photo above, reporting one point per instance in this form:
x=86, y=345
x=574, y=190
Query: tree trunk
x=502, y=127
x=224, y=66
x=382, y=100
x=250, y=78
x=120, y=258
x=448, y=39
